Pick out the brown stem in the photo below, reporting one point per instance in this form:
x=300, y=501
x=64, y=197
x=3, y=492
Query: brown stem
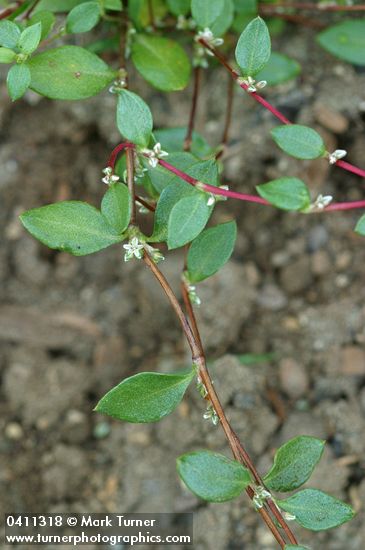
x=148, y=205
x=194, y=104
x=300, y=20
x=8, y=11
x=227, y=124
x=237, y=448
x=130, y=183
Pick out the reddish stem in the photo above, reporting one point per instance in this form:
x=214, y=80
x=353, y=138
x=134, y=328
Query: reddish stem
x=345, y=206
x=351, y=168
x=342, y=164
x=118, y=149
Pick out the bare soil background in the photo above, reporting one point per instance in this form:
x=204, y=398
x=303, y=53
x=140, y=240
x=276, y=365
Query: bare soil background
x=71, y=328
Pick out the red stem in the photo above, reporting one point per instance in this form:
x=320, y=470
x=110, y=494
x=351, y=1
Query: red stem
x=351, y=168
x=118, y=149
x=345, y=165
x=345, y=206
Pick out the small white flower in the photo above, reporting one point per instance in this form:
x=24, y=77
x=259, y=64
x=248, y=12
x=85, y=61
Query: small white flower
x=336, y=155
x=211, y=200
x=251, y=83
x=210, y=414
x=321, y=202
x=194, y=298
x=289, y=517
x=154, y=154
x=209, y=38
x=134, y=249
x=109, y=177
x=261, y=494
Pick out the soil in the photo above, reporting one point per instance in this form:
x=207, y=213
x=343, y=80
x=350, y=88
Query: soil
x=71, y=328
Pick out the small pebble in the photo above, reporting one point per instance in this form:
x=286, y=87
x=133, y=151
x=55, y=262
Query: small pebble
x=293, y=378
x=14, y=431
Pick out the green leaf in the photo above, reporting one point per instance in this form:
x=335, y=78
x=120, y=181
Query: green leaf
x=205, y=12
x=30, y=38
x=280, y=68
x=360, y=226
x=114, y=5
x=345, y=40
x=139, y=12
x=172, y=140
x=9, y=34
x=221, y=25
x=179, y=7
x=187, y=219
x=168, y=198
x=71, y=226
x=286, y=193
x=69, y=72
x=6, y=55
x=46, y=19
x=294, y=463
x=299, y=141
x=210, y=251
x=116, y=207
x=245, y=6
x=83, y=18
x=253, y=47
x=134, y=118
x=18, y=81
x=212, y=476
x=161, y=61
x=316, y=510
x=145, y=397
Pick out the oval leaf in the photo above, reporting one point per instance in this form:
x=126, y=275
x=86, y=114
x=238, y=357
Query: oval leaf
x=172, y=140
x=280, y=68
x=18, y=81
x=83, y=18
x=179, y=7
x=253, y=47
x=299, y=141
x=6, y=55
x=187, y=219
x=205, y=12
x=168, y=198
x=286, y=193
x=9, y=34
x=134, y=118
x=69, y=72
x=345, y=40
x=316, y=510
x=210, y=251
x=46, y=19
x=72, y=226
x=221, y=25
x=145, y=397
x=162, y=62
x=116, y=207
x=294, y=463
x=30, y=38
x=212, y=476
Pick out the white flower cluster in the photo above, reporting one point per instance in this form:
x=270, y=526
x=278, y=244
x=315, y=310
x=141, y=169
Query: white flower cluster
x=210, y=414
x=321, y=202
x=109, y=178
x=252, y=85
x=154, y=154
x=194, y=298
x=261, y=494
x=201, y=51
x=134, y=249
x=336, y=155
x=215, y=198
